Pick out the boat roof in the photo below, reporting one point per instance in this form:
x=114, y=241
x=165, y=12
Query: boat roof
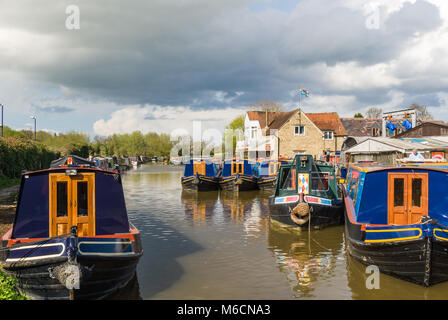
x=375, y=166
x=72, y=160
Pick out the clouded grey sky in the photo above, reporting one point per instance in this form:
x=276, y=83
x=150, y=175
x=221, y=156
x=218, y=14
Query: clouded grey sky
x=160, y=64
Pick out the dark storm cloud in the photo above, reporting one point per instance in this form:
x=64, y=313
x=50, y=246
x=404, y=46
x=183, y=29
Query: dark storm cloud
x=53, y=109
x=207, y=54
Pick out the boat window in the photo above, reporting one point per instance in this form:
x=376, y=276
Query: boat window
x=398, y=192
x=319, y=181
x=234, y=168
x=287, y=182
x=83, y=208
x=61, y=206
x=416, y=192
x=240, y=168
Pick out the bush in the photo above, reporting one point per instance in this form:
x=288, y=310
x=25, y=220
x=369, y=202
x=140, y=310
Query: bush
x=8, y=289
x=18, y=154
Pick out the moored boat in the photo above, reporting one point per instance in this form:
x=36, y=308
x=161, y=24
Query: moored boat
x=395, y=219
x=267, y=173
x=201, y=175
x=306, y=195
x=71, y=237
x=238, y=175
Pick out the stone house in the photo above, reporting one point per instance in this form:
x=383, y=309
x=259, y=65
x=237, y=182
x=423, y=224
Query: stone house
x=294, y=132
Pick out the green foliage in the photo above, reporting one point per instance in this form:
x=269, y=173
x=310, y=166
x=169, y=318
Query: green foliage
x=358, y=115
x=8, y=290
x=17, y=154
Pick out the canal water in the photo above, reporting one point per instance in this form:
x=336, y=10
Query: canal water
x=215, y=245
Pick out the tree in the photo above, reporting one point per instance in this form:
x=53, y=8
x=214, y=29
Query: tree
x=374, y=112
x=270, y=106
x=422, y=112
x=358, y=115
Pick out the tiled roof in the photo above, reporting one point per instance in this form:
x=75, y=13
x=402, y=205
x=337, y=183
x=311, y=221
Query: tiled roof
x=324, y=121
x=328, y=121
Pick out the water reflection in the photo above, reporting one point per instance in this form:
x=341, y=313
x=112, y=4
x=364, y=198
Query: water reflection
x=220, y=245
x=199, y=206
x=307, y=259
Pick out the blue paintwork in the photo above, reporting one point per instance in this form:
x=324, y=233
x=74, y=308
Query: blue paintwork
x=370, y=193
x=212, y=169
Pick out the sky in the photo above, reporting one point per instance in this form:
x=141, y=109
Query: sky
x=160, y=65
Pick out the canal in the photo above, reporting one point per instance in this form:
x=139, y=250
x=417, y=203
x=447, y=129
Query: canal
x=219, y=246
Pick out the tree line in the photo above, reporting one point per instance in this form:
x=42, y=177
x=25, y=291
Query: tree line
x=76, y=143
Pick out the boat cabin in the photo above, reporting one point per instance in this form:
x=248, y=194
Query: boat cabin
x=399, y=195
x=307, y=176
x=201, y=167
x=238, y=167
x=72, y=192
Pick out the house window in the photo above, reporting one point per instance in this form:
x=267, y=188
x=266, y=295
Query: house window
x=299, y=130
x=253, y=132
x=328, y=135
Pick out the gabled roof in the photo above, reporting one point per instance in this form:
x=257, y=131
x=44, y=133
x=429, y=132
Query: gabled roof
x=324, y=121
x=361, y=126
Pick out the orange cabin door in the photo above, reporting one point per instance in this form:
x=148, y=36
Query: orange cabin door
x=407, y=197
x=72, y=203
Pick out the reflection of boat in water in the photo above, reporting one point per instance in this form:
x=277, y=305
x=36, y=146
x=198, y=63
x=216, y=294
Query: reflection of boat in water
x=130, y=292
x=71, y=237
x=236, y=207
x=307, y=195
x=199, y=206
x=305, y=258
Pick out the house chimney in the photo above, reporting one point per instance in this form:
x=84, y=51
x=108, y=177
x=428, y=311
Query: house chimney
x=266, y=119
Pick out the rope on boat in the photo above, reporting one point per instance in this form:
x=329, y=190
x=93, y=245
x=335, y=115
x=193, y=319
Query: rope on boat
x=301, y=212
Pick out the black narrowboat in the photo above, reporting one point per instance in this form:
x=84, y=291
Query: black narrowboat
x=71, y=237
x=307, y=195
x=396, y=218
x=201, y=175
x=238, y=175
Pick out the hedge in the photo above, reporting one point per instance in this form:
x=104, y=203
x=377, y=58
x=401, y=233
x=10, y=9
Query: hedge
x=18, y=154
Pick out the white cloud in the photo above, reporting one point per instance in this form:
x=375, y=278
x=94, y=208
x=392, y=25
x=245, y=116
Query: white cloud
x=151, y=118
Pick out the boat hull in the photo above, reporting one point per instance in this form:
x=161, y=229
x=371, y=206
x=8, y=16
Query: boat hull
x=267, y=183
x=238, y=183
x=102, y=273
x=423, y=261
x=198, y=183
x=321, y=216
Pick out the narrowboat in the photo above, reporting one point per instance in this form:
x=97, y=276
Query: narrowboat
x=71, y=237
x=238, y=175
x=307, y=195
x=201, y=175
x=396, y=217
x=267, y=173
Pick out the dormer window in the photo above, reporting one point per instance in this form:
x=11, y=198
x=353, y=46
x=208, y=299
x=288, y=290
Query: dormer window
x=328, y=135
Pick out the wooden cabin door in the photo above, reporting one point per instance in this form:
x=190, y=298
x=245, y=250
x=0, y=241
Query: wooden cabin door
x=407, y=197
x=72, y=203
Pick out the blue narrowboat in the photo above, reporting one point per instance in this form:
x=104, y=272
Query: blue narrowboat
x=201, y=175
x=307, y=195
x=396, y=217
x=71, y=237
x=267, y=173
x=238, y=175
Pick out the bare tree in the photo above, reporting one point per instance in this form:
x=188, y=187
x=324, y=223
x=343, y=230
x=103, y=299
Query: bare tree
x=374, y=112
x=270, y=106
x=422, y=112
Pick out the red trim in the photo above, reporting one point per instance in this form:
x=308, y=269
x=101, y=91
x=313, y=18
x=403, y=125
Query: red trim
x=65, y=167
x=130, y=236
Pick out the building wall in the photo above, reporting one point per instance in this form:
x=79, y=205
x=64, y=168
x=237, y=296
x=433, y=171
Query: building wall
x=311, y=143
